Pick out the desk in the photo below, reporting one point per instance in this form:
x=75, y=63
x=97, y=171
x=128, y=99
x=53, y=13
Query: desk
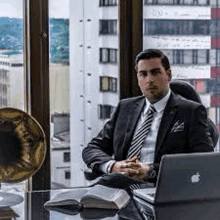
x=32, y=209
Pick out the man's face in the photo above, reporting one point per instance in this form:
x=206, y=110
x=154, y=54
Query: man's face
x=153, y=79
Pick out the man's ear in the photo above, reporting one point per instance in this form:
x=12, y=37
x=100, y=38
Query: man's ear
x=136, y=68
x=169, y=74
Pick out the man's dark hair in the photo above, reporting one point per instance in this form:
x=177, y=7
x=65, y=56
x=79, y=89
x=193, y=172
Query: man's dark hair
x=153, y=53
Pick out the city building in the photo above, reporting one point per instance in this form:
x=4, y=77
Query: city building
x=11, y=76
x=60, y=150
x=187, y=31
x=94, y=78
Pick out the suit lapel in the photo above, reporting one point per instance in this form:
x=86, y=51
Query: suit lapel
x=134, y=115
x=167, y=118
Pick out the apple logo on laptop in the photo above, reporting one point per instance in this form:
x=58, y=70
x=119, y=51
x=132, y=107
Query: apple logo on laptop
x=195, y=178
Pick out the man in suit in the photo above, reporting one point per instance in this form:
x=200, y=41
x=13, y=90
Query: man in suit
x=177, y=125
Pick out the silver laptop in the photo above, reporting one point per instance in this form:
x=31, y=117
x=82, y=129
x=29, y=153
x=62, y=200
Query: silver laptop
x=184, y=177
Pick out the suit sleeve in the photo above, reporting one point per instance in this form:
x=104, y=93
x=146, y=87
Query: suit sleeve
x=199, y=139
x=100, y=148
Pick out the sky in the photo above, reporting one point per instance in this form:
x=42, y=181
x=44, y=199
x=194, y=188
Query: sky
x=14, y=8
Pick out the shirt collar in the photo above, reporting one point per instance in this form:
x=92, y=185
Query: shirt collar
x=160, y=105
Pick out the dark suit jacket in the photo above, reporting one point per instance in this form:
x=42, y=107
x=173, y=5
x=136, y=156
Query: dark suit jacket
x=116, y=135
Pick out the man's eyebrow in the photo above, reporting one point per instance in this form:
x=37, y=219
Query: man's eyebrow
x=152, y=70
x=155, y=69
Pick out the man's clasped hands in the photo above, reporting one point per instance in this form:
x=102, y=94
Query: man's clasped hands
x=132, y=167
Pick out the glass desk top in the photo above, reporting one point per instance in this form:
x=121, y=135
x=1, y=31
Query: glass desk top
x=30, y=207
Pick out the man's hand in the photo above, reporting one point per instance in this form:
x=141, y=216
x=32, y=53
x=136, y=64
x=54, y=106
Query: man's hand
x=132, y=167
x=142, y=171
x=127, y=167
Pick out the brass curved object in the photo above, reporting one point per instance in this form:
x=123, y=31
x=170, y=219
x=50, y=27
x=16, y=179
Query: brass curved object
x=22, y=145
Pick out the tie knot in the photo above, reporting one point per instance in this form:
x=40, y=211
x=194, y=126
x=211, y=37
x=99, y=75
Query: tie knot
x=152, y=109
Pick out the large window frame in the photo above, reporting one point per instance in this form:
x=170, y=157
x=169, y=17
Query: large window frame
x=130, y=33
x=37, y=74
x=36, y=41
x=37, y=65
x=36, y=68
x=131, y=43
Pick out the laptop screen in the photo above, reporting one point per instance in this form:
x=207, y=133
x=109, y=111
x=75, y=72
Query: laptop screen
x=185, y=177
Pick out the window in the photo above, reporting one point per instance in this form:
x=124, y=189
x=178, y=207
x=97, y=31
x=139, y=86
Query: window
x=108, y=55
x=12, y=72
x=213, y=86
x=201, y=27
x=190, y=38
x=108, y=84
x=5, y=97
x=178, y=57
x=77, y=61
x=214, y=27
x=61, y=123
x=62, y=24
x=3, y=89
x=187, y=57
x=66, y=157
x=67, y=175
x=16, y=64
x=203, y=57
x=177, y=2
x=108, y=27
x=207, y=56
x=4, y=74
x=108, y=2
x=195, y=57
x=177, y=27
x=105, y=111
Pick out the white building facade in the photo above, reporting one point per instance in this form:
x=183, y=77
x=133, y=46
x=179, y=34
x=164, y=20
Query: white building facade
x=11, y=81
x=94, y=74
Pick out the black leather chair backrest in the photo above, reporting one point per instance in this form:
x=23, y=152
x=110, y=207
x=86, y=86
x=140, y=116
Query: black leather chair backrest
x=186, y=90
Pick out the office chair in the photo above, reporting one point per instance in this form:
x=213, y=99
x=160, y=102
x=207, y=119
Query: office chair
x=186, y=90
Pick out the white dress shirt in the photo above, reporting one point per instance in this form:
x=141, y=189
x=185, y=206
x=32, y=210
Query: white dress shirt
x=148, y=148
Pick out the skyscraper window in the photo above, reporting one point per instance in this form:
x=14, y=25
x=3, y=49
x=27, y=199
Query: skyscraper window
x=108, y=27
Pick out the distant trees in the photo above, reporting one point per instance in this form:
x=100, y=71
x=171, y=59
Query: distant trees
x=11, y=33
x=59, y=40
x=11, y=37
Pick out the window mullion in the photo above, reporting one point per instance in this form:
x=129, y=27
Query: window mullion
x=39, y=82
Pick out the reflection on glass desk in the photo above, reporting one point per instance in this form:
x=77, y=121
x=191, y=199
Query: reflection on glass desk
x=198, y=210
x=31, y=208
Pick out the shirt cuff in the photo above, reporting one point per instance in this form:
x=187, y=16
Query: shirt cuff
x=107, y=166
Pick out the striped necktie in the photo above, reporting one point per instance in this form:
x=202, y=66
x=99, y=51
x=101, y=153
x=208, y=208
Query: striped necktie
x=141, y=134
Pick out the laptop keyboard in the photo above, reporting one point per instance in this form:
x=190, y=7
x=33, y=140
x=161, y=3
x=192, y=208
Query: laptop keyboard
x=145, y=208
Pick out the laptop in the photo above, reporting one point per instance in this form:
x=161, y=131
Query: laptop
x=184, y=178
